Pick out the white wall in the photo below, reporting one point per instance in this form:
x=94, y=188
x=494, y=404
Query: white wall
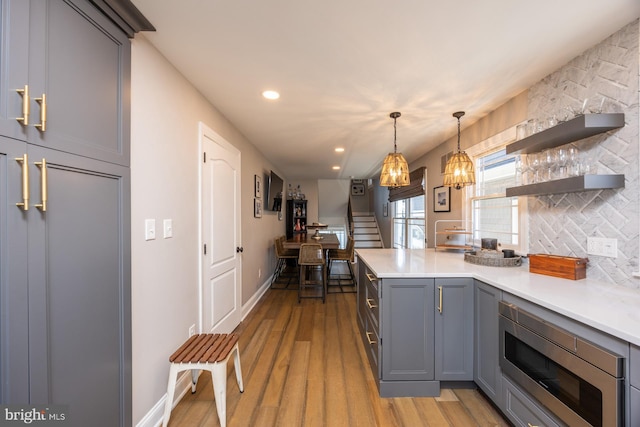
x=165, y=112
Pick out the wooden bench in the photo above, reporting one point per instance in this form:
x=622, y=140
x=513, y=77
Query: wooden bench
x=205, y=352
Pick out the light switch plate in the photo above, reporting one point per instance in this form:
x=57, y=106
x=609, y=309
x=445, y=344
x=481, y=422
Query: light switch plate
x=149, y=229
x=168, y=228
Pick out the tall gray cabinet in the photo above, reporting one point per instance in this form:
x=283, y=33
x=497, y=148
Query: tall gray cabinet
x=65, y=287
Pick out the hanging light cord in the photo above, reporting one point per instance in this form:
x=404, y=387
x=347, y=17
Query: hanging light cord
x=458, y=134
x=394, y=135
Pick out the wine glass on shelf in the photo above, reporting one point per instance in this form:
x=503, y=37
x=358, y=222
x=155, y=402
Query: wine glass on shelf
x=520, y=166
x=547, y=164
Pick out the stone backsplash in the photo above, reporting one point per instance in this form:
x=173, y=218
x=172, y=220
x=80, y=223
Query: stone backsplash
x=560, y=223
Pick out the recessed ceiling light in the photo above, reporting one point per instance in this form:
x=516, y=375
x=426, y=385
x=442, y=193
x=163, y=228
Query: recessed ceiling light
x=339, y=150
x=271, y=94
x=336, y=168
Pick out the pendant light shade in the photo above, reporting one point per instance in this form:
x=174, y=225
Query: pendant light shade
x=395, y=170
x=459, y=171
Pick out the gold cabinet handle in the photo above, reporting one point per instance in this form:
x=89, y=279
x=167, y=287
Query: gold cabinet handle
x=370, y=303
x=42, y=126
x=24, y=120
x=440, y=299
x=531, y=425
x=43, y=185
x=371, y=277
x=371, y=341
x=24, y=160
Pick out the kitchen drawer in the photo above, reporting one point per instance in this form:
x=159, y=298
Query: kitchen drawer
x=371, y=339
x=521, y=410
x=372, y=302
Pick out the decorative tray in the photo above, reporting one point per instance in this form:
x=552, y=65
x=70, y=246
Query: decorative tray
x=492, y=260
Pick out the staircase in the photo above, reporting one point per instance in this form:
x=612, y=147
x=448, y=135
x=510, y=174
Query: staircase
x=365, y=231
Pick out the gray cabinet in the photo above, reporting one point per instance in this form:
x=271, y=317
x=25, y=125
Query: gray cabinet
x=407, y=330
x=14, y=33
x=65, y=269
x=634, y=386
x=487, y=374
x=416, y=332
x=368, y=316
x=454, y=329
x=523, y=411
x=76, y=65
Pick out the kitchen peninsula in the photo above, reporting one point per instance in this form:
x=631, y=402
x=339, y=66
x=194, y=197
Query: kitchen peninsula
x=428, y=318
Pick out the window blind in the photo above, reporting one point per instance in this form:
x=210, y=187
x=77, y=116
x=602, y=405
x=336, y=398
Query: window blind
x=414, y=189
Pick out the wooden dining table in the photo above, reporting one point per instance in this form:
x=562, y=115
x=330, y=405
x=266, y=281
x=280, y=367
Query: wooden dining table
x=328, y=241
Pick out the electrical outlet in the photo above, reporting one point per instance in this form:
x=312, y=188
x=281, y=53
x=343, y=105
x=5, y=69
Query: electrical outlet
x=602, y=247
x=192, y=330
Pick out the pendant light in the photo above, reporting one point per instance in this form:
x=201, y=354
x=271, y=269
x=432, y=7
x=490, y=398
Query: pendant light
x=459, y=171
x=395, y=170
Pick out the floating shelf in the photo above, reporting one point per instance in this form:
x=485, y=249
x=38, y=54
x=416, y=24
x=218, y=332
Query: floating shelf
x=572, y=130
x=569, y=185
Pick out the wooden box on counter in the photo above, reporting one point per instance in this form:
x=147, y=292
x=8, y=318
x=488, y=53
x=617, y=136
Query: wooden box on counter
x=558, y=266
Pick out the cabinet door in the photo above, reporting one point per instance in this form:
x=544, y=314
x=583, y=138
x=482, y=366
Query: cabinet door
x=454, y=329
x=81, y=62
x=634, y=406
x=79, y=289
x=14, y=33
x=14, y=331
x=406, y=324
x=487, y=374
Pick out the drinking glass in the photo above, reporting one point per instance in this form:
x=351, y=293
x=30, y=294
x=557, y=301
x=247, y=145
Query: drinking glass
x=562, y=158
x=574, y=161
x=580, y=110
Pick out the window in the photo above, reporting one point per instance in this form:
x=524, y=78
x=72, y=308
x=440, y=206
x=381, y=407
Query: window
x=493, y=215
x=409, y=223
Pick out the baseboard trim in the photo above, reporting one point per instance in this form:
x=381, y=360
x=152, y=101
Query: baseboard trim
x=153, y=418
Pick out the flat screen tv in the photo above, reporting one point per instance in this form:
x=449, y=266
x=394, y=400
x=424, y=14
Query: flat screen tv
x=274, y=192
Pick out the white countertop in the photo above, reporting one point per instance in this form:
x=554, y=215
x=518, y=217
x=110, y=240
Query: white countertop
x=609, y=308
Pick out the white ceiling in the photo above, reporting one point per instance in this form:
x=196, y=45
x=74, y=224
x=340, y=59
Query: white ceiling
x=341, y=66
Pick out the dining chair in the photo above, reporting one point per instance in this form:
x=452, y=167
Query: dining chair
x=312, y=256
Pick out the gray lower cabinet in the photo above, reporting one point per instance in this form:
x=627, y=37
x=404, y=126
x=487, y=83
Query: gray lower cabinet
x=407, y=332
x=487, y=373
x=65, y=270
x=634, y=386
x=523, y=411
x=414, y=338
x=454, y=329
x=76, y=65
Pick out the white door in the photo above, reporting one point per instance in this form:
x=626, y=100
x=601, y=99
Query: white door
x=220, y=290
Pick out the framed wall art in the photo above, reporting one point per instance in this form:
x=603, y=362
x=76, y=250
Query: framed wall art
x=357, y=189
x=441, y=199
x=258, y=186
x=257, y=208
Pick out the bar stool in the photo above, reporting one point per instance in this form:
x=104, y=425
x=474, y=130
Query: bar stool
x=208, y=352
x=311, y=255
x=282, y=256
x=346, y=255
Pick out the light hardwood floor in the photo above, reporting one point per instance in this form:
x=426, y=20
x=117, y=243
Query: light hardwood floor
x=304, y=365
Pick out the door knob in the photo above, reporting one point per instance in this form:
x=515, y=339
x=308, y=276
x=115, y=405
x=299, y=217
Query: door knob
x=239, y=249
